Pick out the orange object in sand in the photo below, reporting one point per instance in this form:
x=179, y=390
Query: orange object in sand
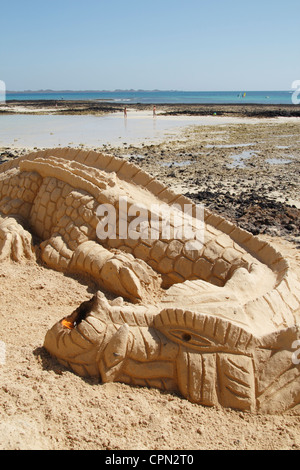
x=67, y=324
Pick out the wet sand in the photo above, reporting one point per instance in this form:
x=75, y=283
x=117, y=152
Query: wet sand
x=249, y=173
x=111, y=129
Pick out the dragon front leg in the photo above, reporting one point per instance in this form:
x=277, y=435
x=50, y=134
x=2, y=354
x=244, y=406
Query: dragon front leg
x=116, y=271
x=15, y=241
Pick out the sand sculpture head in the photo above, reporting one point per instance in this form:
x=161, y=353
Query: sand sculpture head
x=205, y=358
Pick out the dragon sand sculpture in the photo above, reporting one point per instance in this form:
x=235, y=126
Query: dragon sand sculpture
x=216, y=322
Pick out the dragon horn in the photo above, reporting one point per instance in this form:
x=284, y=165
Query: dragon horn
x=112, y=358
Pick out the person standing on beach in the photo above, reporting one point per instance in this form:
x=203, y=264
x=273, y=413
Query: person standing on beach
x=125, y=112
x=154, y=110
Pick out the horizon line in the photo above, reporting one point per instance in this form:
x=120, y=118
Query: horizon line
x=131, y=90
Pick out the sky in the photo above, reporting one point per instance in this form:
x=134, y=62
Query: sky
x=190, y=45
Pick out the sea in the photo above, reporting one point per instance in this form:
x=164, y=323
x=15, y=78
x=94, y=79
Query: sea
x=160, y=97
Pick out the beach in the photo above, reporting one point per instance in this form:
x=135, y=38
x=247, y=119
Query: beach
x=242, y=162
x=100, y=107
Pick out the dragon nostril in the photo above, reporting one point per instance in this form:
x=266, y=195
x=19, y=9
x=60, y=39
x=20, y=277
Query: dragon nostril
x=186, y=337
x=84, y=309
x=79, y=314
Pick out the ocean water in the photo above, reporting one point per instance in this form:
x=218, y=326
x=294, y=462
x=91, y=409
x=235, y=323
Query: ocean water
x=138, y=128
x=160, y=97
x=21, y=130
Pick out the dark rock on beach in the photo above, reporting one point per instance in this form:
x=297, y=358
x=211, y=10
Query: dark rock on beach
x=100, y=107
x=253, y=212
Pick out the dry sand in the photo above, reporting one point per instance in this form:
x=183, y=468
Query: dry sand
x=44, y=406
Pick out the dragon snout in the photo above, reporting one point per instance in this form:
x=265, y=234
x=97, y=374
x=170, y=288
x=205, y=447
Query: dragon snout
x=76, y=339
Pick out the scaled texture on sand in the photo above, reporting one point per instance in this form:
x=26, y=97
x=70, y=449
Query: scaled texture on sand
x=216, y=322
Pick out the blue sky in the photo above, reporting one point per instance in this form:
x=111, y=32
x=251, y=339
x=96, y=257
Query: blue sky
x=150, y=44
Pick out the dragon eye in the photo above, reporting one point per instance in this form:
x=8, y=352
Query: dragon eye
x=195, y=340
x=186, y=337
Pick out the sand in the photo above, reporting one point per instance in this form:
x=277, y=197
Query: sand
x=45, y=406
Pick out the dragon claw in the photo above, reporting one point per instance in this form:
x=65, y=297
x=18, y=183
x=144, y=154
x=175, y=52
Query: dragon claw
x=15, y=242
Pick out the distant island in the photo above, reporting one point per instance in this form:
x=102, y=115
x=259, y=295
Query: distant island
x=88, y=91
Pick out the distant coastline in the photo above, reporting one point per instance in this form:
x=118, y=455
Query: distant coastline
x=87, y=91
